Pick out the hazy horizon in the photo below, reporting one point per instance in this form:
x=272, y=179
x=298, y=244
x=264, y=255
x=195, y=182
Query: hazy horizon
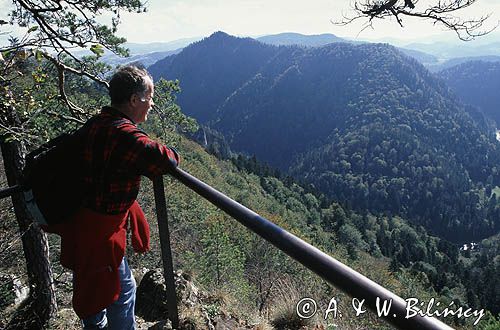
x=175, y=20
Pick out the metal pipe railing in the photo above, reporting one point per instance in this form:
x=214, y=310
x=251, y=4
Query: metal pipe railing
x=330, y=269
x=10, y=191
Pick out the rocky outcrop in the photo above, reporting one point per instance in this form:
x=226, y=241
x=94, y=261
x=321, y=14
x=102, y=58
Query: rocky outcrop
x=151, y=301
x=195, y=307
x=12, y=290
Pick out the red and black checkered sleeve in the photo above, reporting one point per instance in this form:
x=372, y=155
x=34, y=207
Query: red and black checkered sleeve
x=144, y=155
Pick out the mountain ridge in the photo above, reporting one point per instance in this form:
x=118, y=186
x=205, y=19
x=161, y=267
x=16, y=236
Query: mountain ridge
x=477, y=83
x=286, y=104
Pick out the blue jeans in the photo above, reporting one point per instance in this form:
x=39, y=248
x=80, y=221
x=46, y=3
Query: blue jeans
x=120, y=314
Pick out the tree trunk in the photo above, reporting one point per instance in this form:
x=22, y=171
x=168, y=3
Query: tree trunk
x=41, y=303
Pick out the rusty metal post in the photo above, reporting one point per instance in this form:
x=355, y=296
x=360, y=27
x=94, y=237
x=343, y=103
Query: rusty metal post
x=166, y=252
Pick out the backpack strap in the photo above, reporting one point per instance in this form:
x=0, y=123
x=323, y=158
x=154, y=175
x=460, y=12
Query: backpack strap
x=33, y=207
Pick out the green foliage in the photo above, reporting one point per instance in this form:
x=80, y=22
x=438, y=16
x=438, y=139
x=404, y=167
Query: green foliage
x=73, y=23
x=490, y=323
x=221, y=262
x=351, y=238
x=37, y=106
x=97, y=50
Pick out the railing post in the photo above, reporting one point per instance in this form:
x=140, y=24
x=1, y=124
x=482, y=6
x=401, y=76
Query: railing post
x=166, y=253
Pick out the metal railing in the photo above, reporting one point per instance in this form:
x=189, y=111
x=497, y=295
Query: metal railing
x=330, y=269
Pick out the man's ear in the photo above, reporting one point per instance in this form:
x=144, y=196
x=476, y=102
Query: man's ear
x=133, y=99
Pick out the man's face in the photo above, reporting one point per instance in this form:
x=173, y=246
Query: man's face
x=143, y=103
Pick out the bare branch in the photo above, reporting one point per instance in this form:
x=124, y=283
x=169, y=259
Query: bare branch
x=17, y=132
x=61, y=69
x=81, y=72
x=440, y=13
x=72, y=107
x=48, y=9
x=65, y=117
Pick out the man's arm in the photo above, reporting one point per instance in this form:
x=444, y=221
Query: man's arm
x=146, y=156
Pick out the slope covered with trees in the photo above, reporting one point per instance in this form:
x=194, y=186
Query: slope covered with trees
x=365, y=124
x=228, y=261
x=477, y=83
x=217, y=66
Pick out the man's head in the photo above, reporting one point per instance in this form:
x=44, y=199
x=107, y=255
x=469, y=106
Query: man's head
x=131, y=90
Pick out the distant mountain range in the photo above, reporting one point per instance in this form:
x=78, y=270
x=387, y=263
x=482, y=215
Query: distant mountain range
x=148, y=53
x=137, y=48
x=297, y=39
x=446, y=50
x=287, y=39
x=145, y=59
x=436, y=67
x=435, y=56
x=365, y=124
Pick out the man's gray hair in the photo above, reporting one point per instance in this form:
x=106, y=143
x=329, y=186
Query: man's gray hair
x=126, y=81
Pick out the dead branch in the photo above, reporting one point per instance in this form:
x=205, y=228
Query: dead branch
x=439, y=13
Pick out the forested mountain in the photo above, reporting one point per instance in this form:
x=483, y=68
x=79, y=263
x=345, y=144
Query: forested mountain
x=424, y=58
x=212, y=69
x=365, y=124
x=477, y=83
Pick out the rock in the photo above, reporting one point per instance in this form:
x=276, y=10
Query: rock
x=151, y=303
x=139, y=274
x=162, y=325
x=12, y=290
x=227, y=324
x=187, y=293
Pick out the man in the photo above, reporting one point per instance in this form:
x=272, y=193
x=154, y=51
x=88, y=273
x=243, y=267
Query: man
x=115, y=153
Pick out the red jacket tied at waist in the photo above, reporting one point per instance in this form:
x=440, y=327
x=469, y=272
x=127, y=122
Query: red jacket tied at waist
x=93, y=245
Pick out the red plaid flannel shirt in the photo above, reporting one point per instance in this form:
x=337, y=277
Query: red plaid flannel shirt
x=115, y=155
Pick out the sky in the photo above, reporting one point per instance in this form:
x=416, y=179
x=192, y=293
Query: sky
x=175, y=19
x=168, y=20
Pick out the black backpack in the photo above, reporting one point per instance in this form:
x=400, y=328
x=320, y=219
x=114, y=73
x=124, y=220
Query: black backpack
x=53, y=180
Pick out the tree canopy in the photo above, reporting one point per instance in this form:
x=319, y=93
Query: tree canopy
x=56, y=31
